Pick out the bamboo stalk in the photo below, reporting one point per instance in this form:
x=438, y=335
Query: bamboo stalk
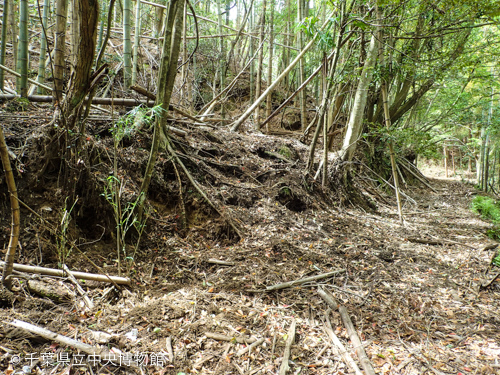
x=61, y=273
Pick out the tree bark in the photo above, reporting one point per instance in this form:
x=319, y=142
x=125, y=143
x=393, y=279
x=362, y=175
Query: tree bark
x=5, y=20
x=14, y=207
x=262, y=23
x=60, y=46
x=84, y=37
x=127, y=46
x=166, y=78
x=355, y=124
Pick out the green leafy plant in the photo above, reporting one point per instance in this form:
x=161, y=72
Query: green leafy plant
x=62, y=250
x=125, y=218
x=488, y=208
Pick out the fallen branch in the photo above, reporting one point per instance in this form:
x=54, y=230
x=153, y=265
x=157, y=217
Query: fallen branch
x=286, y=355
x=103, y=101
x=250, y=347
x=170, y=351
x=356, y=342
x=239, y=340
x=220, y=262
x=52, y=336
x=78, y=275
x=79, y=289
x=289, y=284
x=490, y=246
x=418, y=177
x=342, y=351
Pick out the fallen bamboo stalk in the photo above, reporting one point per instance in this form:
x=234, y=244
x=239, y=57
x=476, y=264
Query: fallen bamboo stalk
x=239, y=340
x=79, y=288
x=340, y=347
x=418, y=177
x=102, y=101
x=289, y=284
x=52, y=336
x=62, y=273
x=286, y=355
x=250, y=347
x=353, y=335
x=3, y=67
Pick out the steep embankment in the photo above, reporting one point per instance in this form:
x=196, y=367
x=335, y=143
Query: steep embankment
x=414, y=292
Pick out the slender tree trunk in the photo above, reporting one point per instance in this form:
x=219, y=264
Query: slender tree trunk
x=166, y=78
x=159, y=20
x=5, y=21
x=137, y=41
x=301, y=76
x=235, y=126
x=185, y=89
x=43, y=48
x=13, y=28
x=387, y=115
x=270, y=61
x=14, y=207
x=355, y=124
x=250, y=53
x=127, y=46
x=222, y=64
x=60, y=46
x=23, y=48
x=286, y=41
x=259, y=65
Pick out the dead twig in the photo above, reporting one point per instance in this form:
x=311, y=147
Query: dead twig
x=340, y=348
x=289, y=284
x=250, y=347
x=239, y=340
x=356, y=342
x=79, y=289
x=286, y=355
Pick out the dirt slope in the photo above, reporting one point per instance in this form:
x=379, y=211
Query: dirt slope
x=413, y=292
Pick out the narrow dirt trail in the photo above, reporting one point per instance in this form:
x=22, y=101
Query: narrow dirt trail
x=413, y=293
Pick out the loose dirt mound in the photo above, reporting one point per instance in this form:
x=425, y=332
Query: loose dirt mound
x=413, y=293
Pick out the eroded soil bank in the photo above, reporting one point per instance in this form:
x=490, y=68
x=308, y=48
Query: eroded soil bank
x=414, y=293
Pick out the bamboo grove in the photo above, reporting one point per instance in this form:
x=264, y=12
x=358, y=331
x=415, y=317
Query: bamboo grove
x=384, y=81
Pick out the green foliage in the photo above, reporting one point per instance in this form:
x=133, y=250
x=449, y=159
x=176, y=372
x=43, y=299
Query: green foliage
x=496, y=260
x=488, y=208
x=137, y=118
x=62, y=250
x=405, y=140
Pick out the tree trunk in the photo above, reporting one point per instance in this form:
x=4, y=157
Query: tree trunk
x=60, y=46
x=271, y=87
x=13, y=28
x=14, y=207
x=270, y=61
x=5, y=20
x=85, y=37
x=259, y=65
x=43, y=48
x=301, y=75
x=355, y=124
x=23, y=49
x=127, y=46
x=166, y=78
x=137, y=40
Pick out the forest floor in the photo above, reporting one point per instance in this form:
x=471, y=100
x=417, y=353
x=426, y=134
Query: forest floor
x=416, y=294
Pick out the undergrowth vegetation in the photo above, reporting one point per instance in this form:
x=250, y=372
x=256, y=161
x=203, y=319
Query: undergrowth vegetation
x=489, y=209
